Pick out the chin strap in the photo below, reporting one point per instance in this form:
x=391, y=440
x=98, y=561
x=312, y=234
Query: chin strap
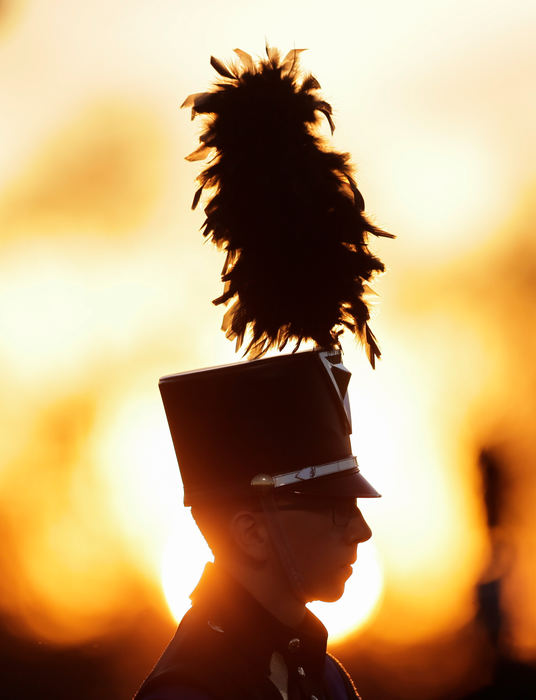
x=280, y=543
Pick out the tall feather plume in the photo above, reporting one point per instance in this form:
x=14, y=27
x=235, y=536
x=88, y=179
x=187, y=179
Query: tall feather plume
x=285, y=209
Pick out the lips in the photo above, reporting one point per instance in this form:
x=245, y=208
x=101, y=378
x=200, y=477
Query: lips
x=350, y=562
x=347, y=572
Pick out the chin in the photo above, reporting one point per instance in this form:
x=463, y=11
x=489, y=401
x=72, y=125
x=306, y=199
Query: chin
x=331, y=598
x=330, y=593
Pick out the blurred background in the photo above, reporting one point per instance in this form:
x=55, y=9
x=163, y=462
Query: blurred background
x=106, y=283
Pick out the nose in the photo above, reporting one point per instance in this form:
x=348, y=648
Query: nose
x=358, y=529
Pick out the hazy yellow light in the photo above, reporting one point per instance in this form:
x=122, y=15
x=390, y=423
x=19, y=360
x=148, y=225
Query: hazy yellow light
x=69, y=583
x=185, y=555
x=65, y=304
x=408, y=447
x=446, y=191
x=136, y=459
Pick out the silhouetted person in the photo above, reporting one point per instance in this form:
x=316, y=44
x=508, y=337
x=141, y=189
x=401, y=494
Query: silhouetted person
x=267, y=468
x=263, y=446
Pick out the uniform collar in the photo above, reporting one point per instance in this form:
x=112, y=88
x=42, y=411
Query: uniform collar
x=230, y=609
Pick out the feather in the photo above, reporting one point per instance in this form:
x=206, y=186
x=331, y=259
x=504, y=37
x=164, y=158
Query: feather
x=191, y=99
x=246, y=60
x=310, y=83
x=222, y=70
x=273, y=54
x=197, y=197
x=284, y=208
x=200, y=153
x=373, y=351
x=290, y=62
x=326, y=111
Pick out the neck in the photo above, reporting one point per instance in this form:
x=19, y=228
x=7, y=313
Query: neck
x=271, y=590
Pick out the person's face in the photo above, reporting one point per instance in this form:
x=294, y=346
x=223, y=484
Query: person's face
x=322, y=537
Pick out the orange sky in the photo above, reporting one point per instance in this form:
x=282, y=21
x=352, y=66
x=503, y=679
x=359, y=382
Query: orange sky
x=105, y=285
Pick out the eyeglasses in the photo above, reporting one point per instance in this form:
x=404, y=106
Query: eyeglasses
x=342, y=509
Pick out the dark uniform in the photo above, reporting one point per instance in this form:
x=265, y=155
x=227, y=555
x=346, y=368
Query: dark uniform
x=229, y=646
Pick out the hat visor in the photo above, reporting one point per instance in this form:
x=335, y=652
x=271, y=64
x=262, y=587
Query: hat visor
x=347, y=484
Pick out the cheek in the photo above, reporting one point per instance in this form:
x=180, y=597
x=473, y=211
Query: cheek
x=323, y=576
x=308, y=535
x=317, y=552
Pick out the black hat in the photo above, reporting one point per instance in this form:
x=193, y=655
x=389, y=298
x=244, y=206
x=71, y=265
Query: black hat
x=282, y=422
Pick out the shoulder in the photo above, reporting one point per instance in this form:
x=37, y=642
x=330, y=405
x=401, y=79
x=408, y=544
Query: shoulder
x=198, y=664
x=339, y=680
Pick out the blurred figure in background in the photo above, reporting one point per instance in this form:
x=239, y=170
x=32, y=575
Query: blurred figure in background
x=511, y=678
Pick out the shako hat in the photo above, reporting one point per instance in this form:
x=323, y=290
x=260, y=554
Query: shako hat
x=282, y=422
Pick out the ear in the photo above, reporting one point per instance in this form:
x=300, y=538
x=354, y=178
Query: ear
x=250, y=535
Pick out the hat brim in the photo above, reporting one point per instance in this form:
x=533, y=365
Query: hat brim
x=347, y=484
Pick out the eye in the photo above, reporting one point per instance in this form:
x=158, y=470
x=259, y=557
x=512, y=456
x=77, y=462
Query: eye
x=344, y=511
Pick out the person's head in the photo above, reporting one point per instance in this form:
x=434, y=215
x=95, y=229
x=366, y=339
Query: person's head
x=276, y=430
x=320, y=534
